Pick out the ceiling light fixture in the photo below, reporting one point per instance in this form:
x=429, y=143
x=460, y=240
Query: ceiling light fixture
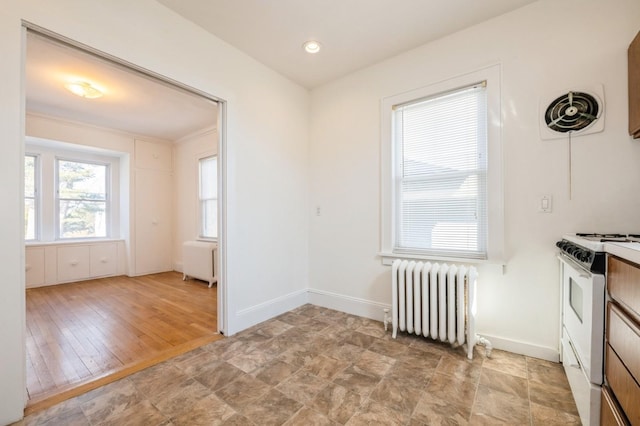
x=84, y=89
x=311, y=46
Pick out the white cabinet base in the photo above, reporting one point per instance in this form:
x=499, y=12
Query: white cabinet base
x=57, y=263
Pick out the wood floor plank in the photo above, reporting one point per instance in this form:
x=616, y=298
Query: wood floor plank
x=79, y=334
x=75, y=354
x=61, y=356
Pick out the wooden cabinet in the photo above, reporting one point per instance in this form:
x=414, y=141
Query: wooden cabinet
x=622, y=357
x=611, y=413
x=634, y=87
x=623, y=283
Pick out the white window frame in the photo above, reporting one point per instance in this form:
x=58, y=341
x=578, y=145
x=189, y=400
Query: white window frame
x=390, y=162
x=107, y=200
x=201, y=200
x=36, y=196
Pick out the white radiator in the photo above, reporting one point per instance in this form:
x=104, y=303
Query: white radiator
x=435, y=300
x=200, y=260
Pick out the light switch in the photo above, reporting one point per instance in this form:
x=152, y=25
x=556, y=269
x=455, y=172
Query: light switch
x=545, y=204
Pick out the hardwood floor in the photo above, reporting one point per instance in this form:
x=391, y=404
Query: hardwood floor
x=86, y=334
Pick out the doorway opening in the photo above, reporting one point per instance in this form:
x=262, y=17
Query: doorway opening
x=111, y=200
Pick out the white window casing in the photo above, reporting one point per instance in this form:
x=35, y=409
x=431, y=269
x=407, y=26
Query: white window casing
x=434, y=209
x=48, y=153
x=208, y=197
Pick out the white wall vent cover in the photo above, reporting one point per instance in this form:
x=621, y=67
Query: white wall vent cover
x=578, y=111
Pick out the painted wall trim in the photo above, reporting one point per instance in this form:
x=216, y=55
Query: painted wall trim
x=196, y=134
x=351, y=305
x=523, y=348
x=256, y=314
x=374, y=310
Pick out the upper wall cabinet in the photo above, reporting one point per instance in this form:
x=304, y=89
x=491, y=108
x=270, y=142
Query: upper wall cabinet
x=634, y=87
x=153, y=155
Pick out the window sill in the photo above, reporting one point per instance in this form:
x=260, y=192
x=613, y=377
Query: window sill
x=207, y=240
x=72, y=242
x=388, y=258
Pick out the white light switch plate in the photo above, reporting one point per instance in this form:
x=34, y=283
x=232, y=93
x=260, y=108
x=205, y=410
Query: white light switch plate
x=545, y=204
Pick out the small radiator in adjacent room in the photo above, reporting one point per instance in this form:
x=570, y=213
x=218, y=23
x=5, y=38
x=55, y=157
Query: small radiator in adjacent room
x=435, y=300
x=200, y=260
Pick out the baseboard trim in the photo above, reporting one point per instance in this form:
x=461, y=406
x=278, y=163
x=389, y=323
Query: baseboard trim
x=523, y=348
x=256, y=314
x=351, y=305
x=375, y=310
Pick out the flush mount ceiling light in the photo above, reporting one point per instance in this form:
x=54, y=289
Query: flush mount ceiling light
x=84, y=89
x=311, y=46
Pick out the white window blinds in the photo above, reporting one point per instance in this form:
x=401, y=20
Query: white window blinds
x=209, y=197
x=441, y=174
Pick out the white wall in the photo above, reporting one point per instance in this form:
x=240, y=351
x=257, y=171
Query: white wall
x=186, y=153
x=546, y=47
x=267, y=156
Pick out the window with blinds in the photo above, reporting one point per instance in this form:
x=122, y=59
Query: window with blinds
x=440, y=179
x=208, y=196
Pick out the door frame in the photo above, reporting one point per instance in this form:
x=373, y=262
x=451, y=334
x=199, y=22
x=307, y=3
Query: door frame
x=221, y=126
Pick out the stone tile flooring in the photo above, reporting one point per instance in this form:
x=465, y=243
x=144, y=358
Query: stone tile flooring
x=316, y=366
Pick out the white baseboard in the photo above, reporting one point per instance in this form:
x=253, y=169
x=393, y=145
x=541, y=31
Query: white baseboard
x=528, y=349
x=253, y=315
x=351, y=305
x=374, y=310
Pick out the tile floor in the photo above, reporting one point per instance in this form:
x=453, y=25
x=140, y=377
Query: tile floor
x=315, y=366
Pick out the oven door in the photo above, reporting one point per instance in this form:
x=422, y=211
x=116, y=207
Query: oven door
x=585, y=394
x=583, y=300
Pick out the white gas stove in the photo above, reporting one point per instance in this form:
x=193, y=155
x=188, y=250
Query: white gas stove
x=583, y=260
x=582, y=265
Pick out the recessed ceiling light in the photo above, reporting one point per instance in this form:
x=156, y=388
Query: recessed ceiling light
x=84, y=89
x=311, y=46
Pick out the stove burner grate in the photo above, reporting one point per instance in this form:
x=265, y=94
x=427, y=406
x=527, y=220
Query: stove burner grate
x=608, y=237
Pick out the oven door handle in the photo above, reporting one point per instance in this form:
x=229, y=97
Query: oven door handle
x=575, y=362
x=579, y=269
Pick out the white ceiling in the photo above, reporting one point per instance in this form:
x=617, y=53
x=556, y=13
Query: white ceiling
x=353, y=33
x=132, y=102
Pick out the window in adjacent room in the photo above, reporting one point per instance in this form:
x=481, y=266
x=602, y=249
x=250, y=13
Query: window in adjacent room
x=82, y=199
x=208, y=196
x=443, y=188
x=31, y=204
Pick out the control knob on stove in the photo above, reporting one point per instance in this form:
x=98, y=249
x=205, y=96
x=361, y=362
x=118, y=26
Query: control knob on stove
x=583, y=256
